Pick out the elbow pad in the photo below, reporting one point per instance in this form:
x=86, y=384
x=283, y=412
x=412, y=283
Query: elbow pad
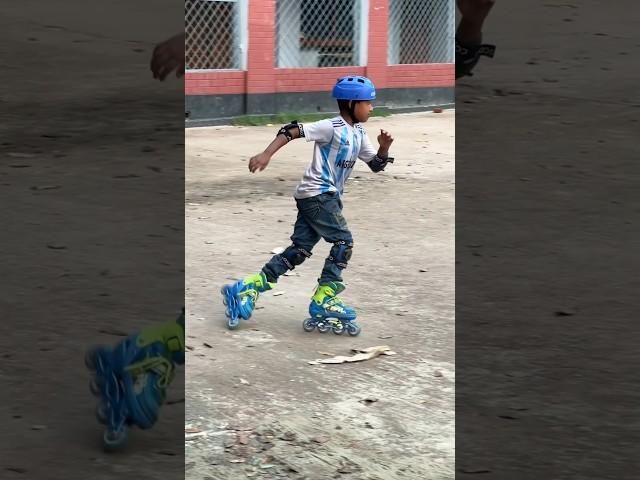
x=286, y=130
x=377, y=164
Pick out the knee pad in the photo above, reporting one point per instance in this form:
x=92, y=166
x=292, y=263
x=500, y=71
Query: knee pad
x=294, y=256
x=341, y=253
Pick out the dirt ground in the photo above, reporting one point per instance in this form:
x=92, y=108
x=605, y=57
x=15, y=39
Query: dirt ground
x=546, y=246
x=254, y=406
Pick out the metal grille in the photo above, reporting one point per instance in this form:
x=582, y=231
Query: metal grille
x=320, y=33
x=213, y=38
x=421, y=31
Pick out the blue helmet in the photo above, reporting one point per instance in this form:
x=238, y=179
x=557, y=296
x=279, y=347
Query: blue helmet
x=354, y=88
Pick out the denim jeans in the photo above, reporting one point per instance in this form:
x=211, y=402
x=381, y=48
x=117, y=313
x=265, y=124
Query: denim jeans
x=319, y=217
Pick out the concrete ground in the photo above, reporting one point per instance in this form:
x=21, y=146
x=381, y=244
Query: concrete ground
x=254, y=406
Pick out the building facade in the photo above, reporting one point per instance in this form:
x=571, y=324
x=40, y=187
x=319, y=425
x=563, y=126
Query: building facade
x=272, y=56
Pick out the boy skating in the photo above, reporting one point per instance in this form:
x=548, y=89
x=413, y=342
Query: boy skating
x=339, y=142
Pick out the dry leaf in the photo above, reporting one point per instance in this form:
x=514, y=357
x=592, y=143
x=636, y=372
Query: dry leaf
x=361, y=355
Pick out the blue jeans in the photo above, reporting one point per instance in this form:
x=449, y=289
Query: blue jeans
x=318, y=217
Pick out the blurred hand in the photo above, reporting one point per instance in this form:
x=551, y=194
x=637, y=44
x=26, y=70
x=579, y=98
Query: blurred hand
x=385, y=140
x=259, y=162
x=168, y=56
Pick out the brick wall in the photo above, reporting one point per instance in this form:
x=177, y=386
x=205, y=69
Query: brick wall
x=263, y=77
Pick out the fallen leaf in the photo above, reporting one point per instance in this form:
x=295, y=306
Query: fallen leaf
x=361, y=355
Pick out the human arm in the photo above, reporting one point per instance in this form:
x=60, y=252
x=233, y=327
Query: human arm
x=168, y=56
x=260, y=161
x=377, y=160
x=317, y=131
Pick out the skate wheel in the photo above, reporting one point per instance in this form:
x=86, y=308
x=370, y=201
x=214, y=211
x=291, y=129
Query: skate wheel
x=353, y=329
x=101, y=414
x=114, y=440
x=94, y=386
x=94, y=358
x=338, y=329
x=90, y=360
x=323, y=328
x=308, y=325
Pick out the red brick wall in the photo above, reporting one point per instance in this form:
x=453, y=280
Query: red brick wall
x=262, y=76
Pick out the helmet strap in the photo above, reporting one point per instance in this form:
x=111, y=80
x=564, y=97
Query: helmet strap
x=352, y=110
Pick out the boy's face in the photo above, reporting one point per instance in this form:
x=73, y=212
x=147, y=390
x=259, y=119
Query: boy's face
x=363, y=110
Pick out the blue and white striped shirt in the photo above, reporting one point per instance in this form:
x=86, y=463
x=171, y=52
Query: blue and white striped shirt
x=337, y=147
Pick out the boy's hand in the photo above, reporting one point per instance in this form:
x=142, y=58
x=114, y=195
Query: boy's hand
x=259, y=162
x=168, y=56
x=385, y=140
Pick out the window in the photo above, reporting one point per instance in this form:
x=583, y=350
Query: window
x=421, y=31
x=215, y=37
x=319, y=33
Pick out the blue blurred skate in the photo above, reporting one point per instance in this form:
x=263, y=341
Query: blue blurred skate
x=241, y=297
x=130, y=379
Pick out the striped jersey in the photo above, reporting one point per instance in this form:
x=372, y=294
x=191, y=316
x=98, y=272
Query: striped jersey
x=337, y=147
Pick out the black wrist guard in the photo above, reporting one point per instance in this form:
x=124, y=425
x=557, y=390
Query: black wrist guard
x=378, y=164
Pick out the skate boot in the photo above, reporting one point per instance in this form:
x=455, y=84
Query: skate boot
x=328, y=311
x=130, y=379
x=240, y=298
